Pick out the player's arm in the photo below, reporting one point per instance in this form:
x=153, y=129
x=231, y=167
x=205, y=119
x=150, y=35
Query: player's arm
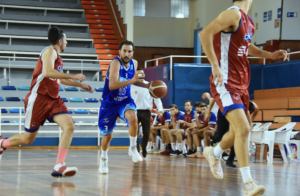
x=138, y=83
x=256, y=109
x=70, y=82
x=114, y=82
x=224, y=22
x=48, y=58
x=209, y=127
x=249, y=120
x=165, y=126
x=278, y=54
x=192, y=124
x=159, y=105
x=198, y=123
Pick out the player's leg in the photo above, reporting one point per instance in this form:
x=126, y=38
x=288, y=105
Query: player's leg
x=108, y=115
x=145, y=120
x=207, y=137
x=190, y=141
x=66, y=123
x=130, y=116
x=153, y=132
x=172, y=136
x=230, y=159
x=197, y=141
x=180, y=135
x=166, y=141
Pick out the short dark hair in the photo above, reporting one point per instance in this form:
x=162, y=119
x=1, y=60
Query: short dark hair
x=236, y=0
x=197, y=104
x=251, y=106
x=203, y=105
x=173, y=106
x=55, y=34
x=126, y=43
x=139, y=69
x=188, y=101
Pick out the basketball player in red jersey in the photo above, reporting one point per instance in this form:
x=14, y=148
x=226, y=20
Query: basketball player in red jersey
x=43, y=101
x=227, y=43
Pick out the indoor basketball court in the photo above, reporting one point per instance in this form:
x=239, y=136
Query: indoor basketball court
x=56, y=126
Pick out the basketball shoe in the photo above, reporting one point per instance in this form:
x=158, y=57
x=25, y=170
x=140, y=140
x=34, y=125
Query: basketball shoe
x=103, y=167
x=61, y=170
x=215, y=164
x=133, y=153
x=251, y=188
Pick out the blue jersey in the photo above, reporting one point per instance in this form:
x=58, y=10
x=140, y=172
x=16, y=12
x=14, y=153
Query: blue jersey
x=165, y=118
x=119, y=95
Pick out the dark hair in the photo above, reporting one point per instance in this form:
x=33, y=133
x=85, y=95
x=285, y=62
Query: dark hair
x=197, y=104
x=126, y=43
x=236, y=0
x=55, y=34
x=203, y=105
x=188, y=101
x=139, y=69
x=173, y=106
x=251, y=106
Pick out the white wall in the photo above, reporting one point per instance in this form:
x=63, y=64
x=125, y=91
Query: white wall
x=163, y=32
x=266, y=30
x=291, y=26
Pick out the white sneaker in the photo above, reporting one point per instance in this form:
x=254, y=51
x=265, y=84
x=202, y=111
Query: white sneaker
x=150, y=151
x=136, y=157
x=61, y=170
x=103, y=166
x=162, y=149
x=155, y=151
x=251, y=188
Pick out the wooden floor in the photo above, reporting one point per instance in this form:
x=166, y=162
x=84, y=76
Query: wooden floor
x=27, y=172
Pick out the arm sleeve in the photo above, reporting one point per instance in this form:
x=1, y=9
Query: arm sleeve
x=213, y=119
x=158, y=104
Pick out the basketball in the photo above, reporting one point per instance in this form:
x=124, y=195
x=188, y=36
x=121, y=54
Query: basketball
x=158, y=89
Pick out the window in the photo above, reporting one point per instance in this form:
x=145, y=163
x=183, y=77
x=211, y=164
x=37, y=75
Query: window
x=139, y=8
x=180, y=8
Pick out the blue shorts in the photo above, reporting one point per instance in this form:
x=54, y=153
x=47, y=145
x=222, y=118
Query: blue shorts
x=110, y=112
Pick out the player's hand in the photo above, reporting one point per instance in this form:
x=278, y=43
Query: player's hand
x=207, y=116
x=135, y=78
x=195, y=132
x=196, y=115
x=79, y=77
x=217, y=75
x=87, y=87
x=279, y=54
x=160, y=114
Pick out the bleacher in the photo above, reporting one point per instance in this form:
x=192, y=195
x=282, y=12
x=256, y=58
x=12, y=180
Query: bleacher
x=279, y=106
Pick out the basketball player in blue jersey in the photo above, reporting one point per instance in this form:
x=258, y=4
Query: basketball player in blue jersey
x=117, y=102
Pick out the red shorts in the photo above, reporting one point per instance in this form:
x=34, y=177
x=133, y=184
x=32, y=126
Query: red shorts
x=229, y=98
x=39, y=108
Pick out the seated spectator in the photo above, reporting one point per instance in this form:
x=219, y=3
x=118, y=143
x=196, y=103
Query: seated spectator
x=179, y=134
x=153, y=120
x=204, y=129
x=160, y=130
x=175, y=116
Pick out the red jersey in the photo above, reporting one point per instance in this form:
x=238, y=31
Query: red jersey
x=232, y=50
x=189, y=117
x=46, y=86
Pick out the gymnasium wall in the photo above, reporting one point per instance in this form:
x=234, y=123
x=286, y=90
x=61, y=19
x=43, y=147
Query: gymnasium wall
x=291, y=26
x=191, y=80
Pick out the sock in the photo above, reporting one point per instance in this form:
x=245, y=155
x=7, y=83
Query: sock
x=149, y=145
x=163, y=146
x=218, y=151
x=154, y=146
x=173, y=146
x=132, y=141
x=180, y=147
x=246, y=175
x=62, y=153
x=199, y=149
x=5, y=143
x=104, y=154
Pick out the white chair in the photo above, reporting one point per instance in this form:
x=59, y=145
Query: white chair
x=282, y=137
x=256, y=125
x=297, y=143
x=261, y=135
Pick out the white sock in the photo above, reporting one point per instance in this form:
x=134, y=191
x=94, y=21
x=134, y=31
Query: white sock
x=149, y=145
x=180, y=147
x=163, y=146
x=173, y=146
x=246, y=175
x=154, y=146
x=132, y=140
x=104, y=154
x=199, y=149
x=218, y=151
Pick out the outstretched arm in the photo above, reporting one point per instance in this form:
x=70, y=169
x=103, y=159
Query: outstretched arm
x=279, y=54
x=71, y=82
